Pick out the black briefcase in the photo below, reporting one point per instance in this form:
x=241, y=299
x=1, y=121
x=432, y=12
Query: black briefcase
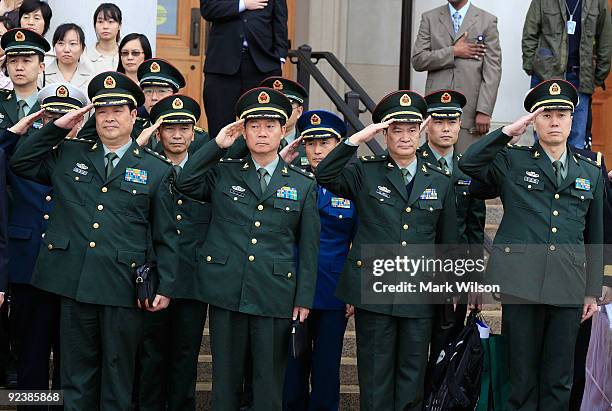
x=299, y=338
x=146, y=285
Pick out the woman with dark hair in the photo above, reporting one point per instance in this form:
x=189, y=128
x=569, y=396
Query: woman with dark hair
x=104, y=55
x=5, y=25
x=133, y=50
x=67, y=67
x=35, y=15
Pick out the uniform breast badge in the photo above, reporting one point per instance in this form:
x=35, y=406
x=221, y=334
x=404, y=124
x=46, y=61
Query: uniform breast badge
x=135, y=175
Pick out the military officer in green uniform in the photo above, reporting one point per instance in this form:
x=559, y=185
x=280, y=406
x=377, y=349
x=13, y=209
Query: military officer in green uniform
x=172, y=338
x=547, y=254
x=258, y=264
x=113, y=209
x=400, y=200
x=445, y=109
x=297, y=95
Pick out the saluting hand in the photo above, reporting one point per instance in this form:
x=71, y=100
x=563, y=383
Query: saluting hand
x=145, y=135
x=25, y=123
x=229, y=134
x=369, y=132
x=290, y=153
x=72, y=119
x=518, y=128
x=424, y=124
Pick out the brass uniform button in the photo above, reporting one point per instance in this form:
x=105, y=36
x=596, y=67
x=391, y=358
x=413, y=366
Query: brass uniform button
x=260, y=207
x=46, y=216
x=359, y=263
x=289, y=275
x=208, y=258
x=254, y=241
x=405, y=226
x=552, y=248
x=408, y=209
x=133, y=265
x=251, y=258
x=555, y=213
x=340, y=216
x=77, y=178
x=507, y=249
x=404, y=244
x=48, y=198
x=96, y=225
x=235, y=198
x=179, y=217
x=554, y=229
x=178, y=232
x=179, y=202
x=133, y=191
x=104, y=189
x=50, y=246
x=257, y=224
x=100, y=207
x=92, y=245
x=557, y=196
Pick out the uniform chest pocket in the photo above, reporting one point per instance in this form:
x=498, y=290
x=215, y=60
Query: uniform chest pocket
x=552, y=22
x=200, y=211
x=237, y=194
x=579, y=203
x=429, y=205
x=340, y=213
x=75, y=188
x=135, y=197
x=383, y=196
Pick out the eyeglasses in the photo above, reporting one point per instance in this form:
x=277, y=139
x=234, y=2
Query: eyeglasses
x=133, y=53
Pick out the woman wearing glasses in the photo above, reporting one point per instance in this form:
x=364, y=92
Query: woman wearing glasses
x=104, y=55
x=68, y=66
x=133, y=50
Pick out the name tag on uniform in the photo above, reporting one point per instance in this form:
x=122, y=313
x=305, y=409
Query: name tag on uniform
x=464, y=182
x=289, y=193
x=339, y=202
x=583, y=184
x=429, y=194
x=135, y=175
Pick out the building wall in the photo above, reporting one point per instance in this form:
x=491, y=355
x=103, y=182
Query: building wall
x=365, y=35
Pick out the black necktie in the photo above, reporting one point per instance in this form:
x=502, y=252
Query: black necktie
x=443, y=164
x=110, y=166
x=557, y=165
x=263, y=184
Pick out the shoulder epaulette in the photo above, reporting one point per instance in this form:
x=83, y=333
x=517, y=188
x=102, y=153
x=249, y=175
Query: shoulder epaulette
x=302, y=171
x=141, y=119
x=588, y=160
x=232, y=160
x=438, y=169
x=519, y=147
x=599, y=156
x=157, y=155
x=199, y=129
x=369, y=159
x=79, y=140
x=5, y=91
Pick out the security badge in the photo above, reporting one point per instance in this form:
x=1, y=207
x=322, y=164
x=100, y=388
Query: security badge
x=237, y=191
x=135, y=175
x=339, y=202
x=531, y=177
x=289, y=193
x=383, y=191
x=429, y=194
x=583, y=184
x=81, y=168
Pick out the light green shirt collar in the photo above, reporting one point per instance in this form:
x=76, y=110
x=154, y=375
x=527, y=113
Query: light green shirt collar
x=182, y=163
x=269, y=168
x=448, y=157
x=30, y=101
x=563, y=160
x=120, y=151
x=412, y=168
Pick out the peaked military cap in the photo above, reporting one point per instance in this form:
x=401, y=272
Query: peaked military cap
x=320, y=124
x=402, y=106
x=61, y=98
x=176, y=109
x=445, y=104
x=159, y=72
x=292, y=90
x=111, y=88
x=24, y=42
x=263, y=102
x=552, y=95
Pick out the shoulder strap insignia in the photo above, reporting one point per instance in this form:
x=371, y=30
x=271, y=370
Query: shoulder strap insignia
x=302, y=171
x=157, y=155
x=588, y=160
x=436, y=168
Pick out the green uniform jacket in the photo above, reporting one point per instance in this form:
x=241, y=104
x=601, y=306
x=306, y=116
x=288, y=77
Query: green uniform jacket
x=260, y=254
x=545, y=28
x=9, y=109
x=100, y=229
x=387, y=215
x=471, y=212
x=538, y=252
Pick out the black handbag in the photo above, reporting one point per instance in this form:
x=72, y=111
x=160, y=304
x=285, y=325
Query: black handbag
x=146, y=285
x=299, y=338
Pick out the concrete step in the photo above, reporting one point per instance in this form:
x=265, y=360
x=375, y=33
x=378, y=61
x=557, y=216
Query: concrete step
x=349, y=397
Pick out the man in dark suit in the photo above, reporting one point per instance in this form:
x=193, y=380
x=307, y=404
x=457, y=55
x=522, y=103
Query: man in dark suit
x=247, y=42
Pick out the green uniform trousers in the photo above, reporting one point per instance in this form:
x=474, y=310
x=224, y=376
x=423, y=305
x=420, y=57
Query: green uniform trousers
x=541, y=341
x=98, y=346
x=232, y=334
x=392, y=359
x=168, y=357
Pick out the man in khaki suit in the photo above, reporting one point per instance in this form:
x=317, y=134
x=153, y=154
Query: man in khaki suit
x=458, y=46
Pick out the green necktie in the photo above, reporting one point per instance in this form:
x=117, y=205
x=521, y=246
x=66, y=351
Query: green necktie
x=443, y=164
x=406, y=175
x=177, y=169
x=21, y=111
x=109, y=165
x=262, y=179
x=557, y=165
